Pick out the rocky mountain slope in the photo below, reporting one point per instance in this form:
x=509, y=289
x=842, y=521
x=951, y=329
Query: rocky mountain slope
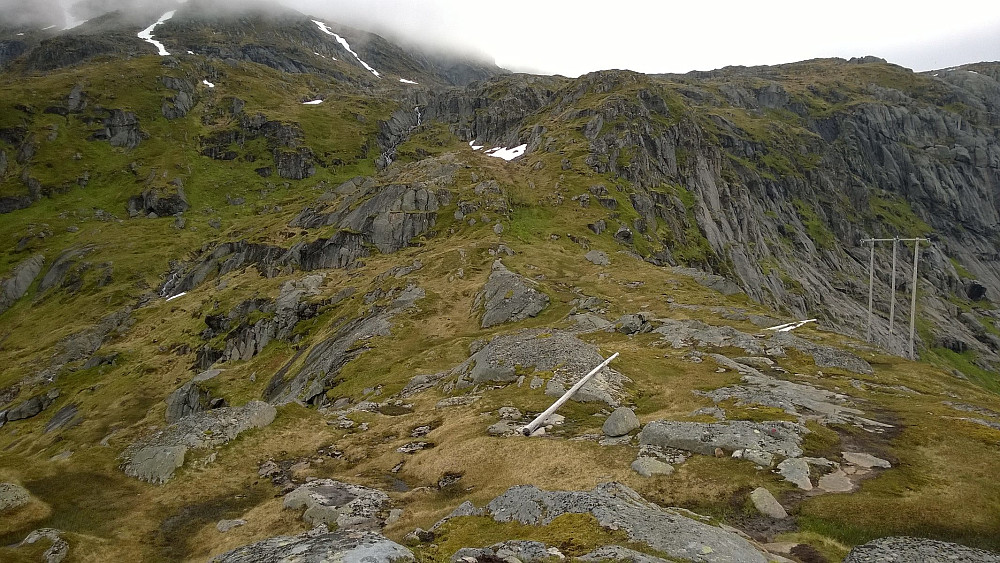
x=290, y=288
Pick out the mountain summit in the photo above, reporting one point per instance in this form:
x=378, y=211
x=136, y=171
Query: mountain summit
x=274, y=289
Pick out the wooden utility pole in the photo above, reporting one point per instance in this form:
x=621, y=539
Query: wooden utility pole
x=892, y=298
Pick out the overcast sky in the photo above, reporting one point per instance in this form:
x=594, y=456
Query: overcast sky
x=574, y=37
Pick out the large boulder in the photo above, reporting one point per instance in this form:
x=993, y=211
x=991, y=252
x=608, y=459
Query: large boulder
x=14, y=287
x=189, y=399
x=318, y=545
x=620, y=422
x=33, y=406
x=13, y=496
x=155, y=457
x=905, y=549
x=121, y=129
x=339, y=504
x=508, y=297
x=779, y=438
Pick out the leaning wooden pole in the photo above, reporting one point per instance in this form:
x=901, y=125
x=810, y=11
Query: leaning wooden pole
x=540, y=419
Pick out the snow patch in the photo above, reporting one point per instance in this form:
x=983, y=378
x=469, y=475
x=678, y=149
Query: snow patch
x=190, y=52
x=20, y=34
x=405, y=81
x=788, y=327
x=47, y=28
x=507, y=154
x=474, y=146
x=312, y=103
x=147, y=34
x=326, y=29
x=207, y=83
x=176, y=296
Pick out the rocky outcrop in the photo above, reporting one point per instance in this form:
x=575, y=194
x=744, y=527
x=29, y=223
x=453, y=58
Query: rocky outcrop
x=156, y=457
x=57, y=551
x=900, y=549
x=13, y=496
x=325, y=360
x=188, y=399
x=121, y=129
x=617, y=507
x=778, y=438
x=385, y=218
x=179, y=104
x=14, y=287
x=296, y=164
x=340, y=505
x=31, y=407
x=505, y=358
x=286, y=142
x=508, y=297
x=163, y=202
x=320, y=544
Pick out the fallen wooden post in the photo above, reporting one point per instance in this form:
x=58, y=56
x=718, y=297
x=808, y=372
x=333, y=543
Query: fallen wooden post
x=540, y=419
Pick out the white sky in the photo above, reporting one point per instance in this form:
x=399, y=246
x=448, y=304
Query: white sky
x=575, y=37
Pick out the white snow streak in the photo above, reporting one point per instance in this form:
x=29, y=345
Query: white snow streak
x=176, y=296
x=474, y=146
x=788, y=327
x=207, y=83
x=325, y=29
x=147, y=34
x=405, y=81
x=507, y=154
x=312, y=103
x=47, y=28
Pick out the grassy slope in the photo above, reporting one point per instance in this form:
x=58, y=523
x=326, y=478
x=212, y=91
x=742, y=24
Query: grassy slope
x=940, y=487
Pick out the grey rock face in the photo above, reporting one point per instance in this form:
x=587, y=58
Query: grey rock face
x=618, y=507
x=155, y=457
x=226, y=525
x=189, y=399
x=14, y=287
x=619, y=553
x=65, y=417
x=295, y=164
x=508, y=297
x=178, y=105
x=32, y=406
x=598, y=257
x=325, y=359
x=765, y=502
x=320, y=545
x=918, y=550
x=867, y=461
x=562, y=353
x=525, y=551
x=13, y=496
x=622, y=421
x=686, y=332
x=163, y=202
x=121, y=129
x=339, y=504
x=781, y=438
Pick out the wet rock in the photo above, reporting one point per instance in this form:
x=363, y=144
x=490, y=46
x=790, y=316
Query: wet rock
x=905, y=549
x=780, y=438
x=318, y=545
x=598, y=257
x=163, y=201
x=618, y=507
x=15, y=286
x=13, y=496
x=508, y=297
x=765, y=502
x=796, y=471
x=622, y=421
x=344, y=505
x=836, y=482
x=650, y=466
x=867, y=461
x=155, y=457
